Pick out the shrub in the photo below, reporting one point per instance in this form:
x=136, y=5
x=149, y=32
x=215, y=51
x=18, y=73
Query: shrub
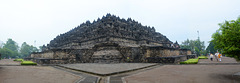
x=18, y=60
x=28, y=63
x=202, y=57
x=190, y=61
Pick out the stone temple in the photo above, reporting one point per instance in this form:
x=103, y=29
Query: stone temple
x=109, y=40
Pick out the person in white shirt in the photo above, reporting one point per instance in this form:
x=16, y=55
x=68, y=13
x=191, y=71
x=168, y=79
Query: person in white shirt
x=211, y=57
x=216, y=56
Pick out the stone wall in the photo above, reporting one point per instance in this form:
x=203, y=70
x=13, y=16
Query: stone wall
x=160, y=51
x=111, y=52
x=191, y=56
x=167, y=60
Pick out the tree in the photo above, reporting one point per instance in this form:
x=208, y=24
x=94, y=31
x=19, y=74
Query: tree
x=1, y=44
x=211, y=48
x=26, y=49
x=12, y=46
x=6, y=53
x=40, y=48
x=196, y=46
x=188, y=44
x=11, y=49
x=227, y=38
x=34, y=49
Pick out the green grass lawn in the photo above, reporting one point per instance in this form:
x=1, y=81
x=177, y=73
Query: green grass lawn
x=194, y=61
x=190, y=61
x=25, y=62
x=202, y=57
x=28, y=63
x=18, y=60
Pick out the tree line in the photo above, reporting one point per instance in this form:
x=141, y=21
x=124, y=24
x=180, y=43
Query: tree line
x=225, y=40
x=10, y=49
x=196, y=46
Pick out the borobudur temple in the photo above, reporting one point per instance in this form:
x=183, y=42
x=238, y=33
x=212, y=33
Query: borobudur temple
x=110, y=40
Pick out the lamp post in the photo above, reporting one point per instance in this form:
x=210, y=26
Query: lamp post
x=198, y=35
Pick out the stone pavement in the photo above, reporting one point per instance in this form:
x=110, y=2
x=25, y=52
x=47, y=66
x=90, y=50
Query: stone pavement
x=35, y=74
x=12, y=72
x=86, y=78
x=108, y=73
x=9, y=62
x=187, y=74
x=106, y=69
x=225, y=60
x=206, y=71
x=210, y=71
x=237, y=75
x=119, y=78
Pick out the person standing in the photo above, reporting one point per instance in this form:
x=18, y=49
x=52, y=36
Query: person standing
x=220, y=57
x=211, y=57
x=216, y=55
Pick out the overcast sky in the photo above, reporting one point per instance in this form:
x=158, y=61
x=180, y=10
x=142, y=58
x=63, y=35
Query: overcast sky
x=42, y=20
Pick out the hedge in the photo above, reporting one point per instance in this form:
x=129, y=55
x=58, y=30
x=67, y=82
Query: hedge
x=202, y=57
x=18, y=60
x=190, y=61
x=28, y=63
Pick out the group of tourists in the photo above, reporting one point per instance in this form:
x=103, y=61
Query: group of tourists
x=218, y=56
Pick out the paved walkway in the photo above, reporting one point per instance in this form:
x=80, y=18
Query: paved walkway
x=224, y=60
x=86, y=78
x=35, y=74
x=207, y=72
x=119, y=78
x=9, y=62
x=187, y=74
x=106, y=69
x=12, y=72
x=109, y=73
